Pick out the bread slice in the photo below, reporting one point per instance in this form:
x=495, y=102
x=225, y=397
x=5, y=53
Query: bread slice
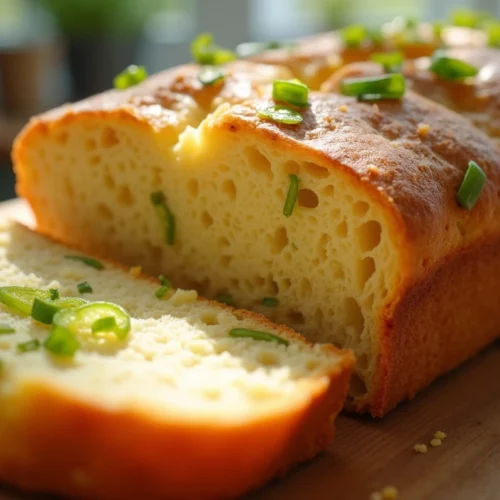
x=377, y=255
x=179, y=410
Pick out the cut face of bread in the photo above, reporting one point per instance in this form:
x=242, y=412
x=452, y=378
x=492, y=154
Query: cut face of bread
x=375, y=225
x=179, y=397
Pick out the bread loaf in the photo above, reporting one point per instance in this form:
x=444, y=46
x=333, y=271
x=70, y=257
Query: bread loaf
x=178, y=410
x=377, y=255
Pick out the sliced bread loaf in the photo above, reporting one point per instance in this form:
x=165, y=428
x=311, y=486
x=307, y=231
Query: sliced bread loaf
x=375, y=253
x=178, y=409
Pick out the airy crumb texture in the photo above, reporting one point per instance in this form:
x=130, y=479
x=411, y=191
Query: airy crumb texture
x=420, y=448
x=179, y=397
x=436, y=442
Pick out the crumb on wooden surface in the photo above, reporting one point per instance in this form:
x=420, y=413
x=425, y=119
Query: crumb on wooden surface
x=440, y=435
x=436, y=442
x=343, y=108
x=420, y=448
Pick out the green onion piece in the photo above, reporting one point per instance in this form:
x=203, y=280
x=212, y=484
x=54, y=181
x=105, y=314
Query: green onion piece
x=493, y=34
x=280, y=114
x=225, y=299
x=165, y=215
x=21, y=298
x=291, y=92
x=249, y=49
x=31, y=345
x=468, y=18
x=61, y=341
x=449, y=68
x=130, y=76
x=84, y=287
x=80, y=321
x=437, y=28
x=204, y=51
x=104, y=324
x=270, y=302
x=54, y=293
x=390, y=86
x=5, y=329
x=89, y=261
x=165, y=281
x=160, y=293
x=354, y=35
x=376, y=37
x=210, y=75
x=256, y=335
x=291, y=197
x=43, y=310
x=391, y=61
x=471, y=187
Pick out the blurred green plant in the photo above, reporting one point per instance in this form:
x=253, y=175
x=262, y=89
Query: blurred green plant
x=116, y=18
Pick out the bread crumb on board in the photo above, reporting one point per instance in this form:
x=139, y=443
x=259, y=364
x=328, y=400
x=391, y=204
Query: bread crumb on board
x=436, y=442
x=387, y=493
x=420, y=448
x=440, y=435
x=343, y=108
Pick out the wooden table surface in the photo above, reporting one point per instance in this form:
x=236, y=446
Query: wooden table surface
x=370, y=454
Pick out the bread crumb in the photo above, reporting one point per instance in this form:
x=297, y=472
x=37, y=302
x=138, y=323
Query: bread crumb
x=436, y=442
x=343, y=108
x=373, y=170
x=389, y=493
x=135, y=271
x=423, y=130
x=420, y=448
x=440, y=435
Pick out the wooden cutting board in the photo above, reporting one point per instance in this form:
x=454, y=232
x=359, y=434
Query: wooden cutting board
x=370, y=454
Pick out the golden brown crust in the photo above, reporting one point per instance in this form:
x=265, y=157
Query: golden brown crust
x=56, y=443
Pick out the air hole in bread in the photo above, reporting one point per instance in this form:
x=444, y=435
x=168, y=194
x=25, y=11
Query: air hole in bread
x=69, y=189
x=291, y=167
x=360, y=208
x=315, y=170
x=286, y=283
x=305, y=287
x=209, y=319
x=279, y=241
x=155, y=253
x=206, y=219
x=193, y=187
x=104, y=212
x=225, y=260
x=125, y=197
x=90, y=144
x=109, y=138
x=353, y=316
x=341, y=229
x=95, y=160
x=295, y=317
x=338, y=270
x=229, y=187
x=368, y=235
x=357, y=386
x=223, y=242
x=323, y=243
x=308, y=198
x=62, y=138
x=223, y=167
x=362, y=361
x=258, y=161
x=366, y=268
x=109, y=182
x=328, y=190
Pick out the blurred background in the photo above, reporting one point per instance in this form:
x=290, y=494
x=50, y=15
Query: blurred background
x=54, y=51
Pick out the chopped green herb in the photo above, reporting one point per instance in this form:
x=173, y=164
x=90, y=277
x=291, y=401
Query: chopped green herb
x=84, y=287
x=468, y=18
x=31, y=345
x=257, y=335
x=104, y=324
x=354, y=36
x=160, y=292
x=89, y=261
x=130, y=76
x=493, y=34
x=391, y=61
x=164, y=281
x=21, y=298
x=291, y=197
x=437, y=28
x=166, y=216
x=205, y=52
x=210, y=75
x=391, y=86
x=471, y=187
x=270, y=302
x=225, y=299
x=291, y=92
x=54, y=293
x=280, y=114
x=449, y=68
x=6, y=329
x=61, y=342
x=376, y=37
x=43, y=310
